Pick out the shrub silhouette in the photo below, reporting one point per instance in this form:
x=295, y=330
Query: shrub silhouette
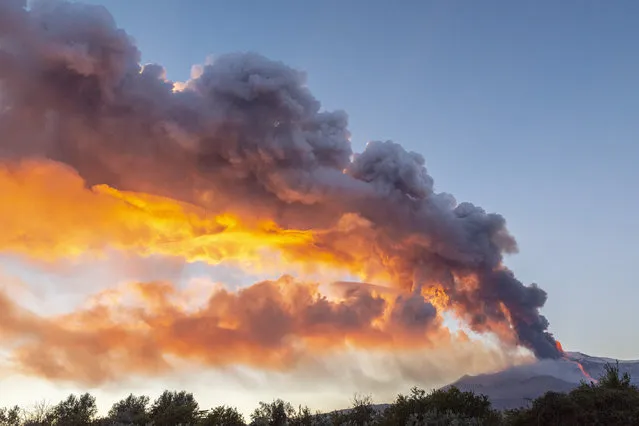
x=10, y=416
x=613, y=400
x=222, y=416
x=133, y=410
x=419, y=407
x=175, y=408
x=75, y=411
x=276, y=413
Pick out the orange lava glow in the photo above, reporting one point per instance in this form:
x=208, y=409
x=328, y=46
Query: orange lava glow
x=577, y=363
x=584, y=372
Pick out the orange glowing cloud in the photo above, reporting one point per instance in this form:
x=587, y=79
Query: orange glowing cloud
x=48, y=213
x=141, y=328
x=53, y=215
x=240, y=164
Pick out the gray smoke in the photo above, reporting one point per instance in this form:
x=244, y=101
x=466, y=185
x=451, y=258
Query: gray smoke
x=249, y=132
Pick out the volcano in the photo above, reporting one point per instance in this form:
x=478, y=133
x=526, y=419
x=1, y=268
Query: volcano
x=516, y=386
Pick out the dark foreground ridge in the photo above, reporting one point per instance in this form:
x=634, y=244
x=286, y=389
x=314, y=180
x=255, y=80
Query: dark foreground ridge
x=612, y=400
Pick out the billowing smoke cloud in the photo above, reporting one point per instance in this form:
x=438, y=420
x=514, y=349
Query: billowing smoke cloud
x=136, y=329
x=247, y=138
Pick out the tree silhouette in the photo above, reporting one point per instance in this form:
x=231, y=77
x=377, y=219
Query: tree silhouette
x=611, y=379
x=174, y=408
x=10, y=416
x=133, y=410
x=276, y=413
x=612, y=401
x=40, y=414
x=222, y=416
x=75, y=411
x=418, y=407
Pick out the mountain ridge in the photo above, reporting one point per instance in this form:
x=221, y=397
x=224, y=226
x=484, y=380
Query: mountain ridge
x=517, y=386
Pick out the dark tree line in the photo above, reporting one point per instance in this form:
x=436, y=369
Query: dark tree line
x=611, y=401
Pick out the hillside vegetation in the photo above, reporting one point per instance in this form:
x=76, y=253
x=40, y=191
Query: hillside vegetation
x=612, y=401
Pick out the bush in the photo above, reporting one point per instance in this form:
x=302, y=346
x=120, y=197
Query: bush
x=75, y=411
x=222, y=416
x=276, y=413
x=133, y=410
x=611, y=401
x=175, y=408
x=10, y=416
x=440, y=406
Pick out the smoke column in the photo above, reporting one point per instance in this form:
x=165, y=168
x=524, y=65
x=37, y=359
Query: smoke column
x=247, y=137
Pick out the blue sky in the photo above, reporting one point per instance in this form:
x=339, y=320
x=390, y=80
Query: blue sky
x=525, y=108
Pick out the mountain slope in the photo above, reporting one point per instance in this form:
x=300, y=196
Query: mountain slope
x=517, y=386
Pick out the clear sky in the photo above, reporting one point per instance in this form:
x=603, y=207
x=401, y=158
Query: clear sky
x=528, y=109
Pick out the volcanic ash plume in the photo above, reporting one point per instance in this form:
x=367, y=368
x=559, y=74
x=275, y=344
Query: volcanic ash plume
x=269, y=325
x=99, y=152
